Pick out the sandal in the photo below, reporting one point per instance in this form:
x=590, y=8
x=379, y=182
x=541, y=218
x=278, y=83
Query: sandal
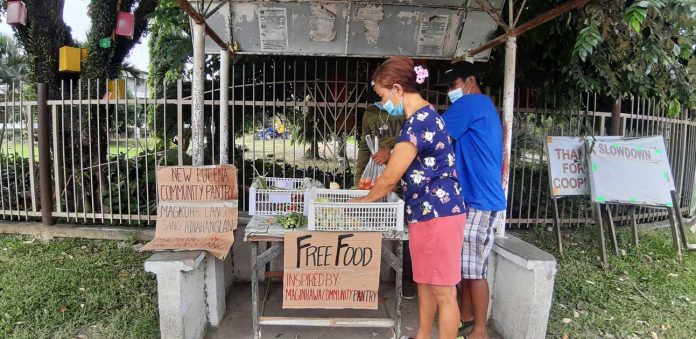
x=464, y=326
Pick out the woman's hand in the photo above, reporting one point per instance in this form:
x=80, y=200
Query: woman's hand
x=355, y=200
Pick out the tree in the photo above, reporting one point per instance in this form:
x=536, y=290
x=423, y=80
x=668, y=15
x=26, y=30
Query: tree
x=170, y=43
x=42, y=37
x=13, y=64
x=643, y=48
x=613, y=48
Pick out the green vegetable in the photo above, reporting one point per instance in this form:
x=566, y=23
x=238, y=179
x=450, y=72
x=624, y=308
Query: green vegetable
x=292, y=220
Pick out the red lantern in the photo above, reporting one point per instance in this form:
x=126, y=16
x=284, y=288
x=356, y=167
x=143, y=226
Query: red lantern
x=125, y=23
x=16, y=13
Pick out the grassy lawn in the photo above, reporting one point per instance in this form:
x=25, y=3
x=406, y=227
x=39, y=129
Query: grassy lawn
x=75, y=288
x=131, y=146
x=646, y=292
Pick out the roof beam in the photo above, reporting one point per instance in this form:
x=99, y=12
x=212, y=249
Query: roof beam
x=529, y=25
x=199, y=19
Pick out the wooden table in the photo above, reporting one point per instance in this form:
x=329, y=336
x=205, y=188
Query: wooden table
x=265, y=229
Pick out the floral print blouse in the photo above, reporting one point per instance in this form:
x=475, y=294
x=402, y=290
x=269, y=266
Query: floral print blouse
x=431, y=187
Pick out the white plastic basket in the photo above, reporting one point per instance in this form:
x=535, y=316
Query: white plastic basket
x=337, y=215
x=288, y=198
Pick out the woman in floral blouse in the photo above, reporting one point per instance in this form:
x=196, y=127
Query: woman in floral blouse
x=423, y=161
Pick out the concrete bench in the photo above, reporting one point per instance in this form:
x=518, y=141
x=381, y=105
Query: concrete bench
x=190, y=292
x=521, y=277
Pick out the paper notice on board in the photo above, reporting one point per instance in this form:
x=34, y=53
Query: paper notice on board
x=371, y=16
x=431, y=35
x=273, y=28
x=322, y=23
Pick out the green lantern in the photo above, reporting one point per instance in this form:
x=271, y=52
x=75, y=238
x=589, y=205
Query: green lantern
x=105, y=42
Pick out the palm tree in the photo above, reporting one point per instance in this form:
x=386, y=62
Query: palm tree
x=13, y=63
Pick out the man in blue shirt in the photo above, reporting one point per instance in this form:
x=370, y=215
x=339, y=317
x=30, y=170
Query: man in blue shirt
x=474, y=125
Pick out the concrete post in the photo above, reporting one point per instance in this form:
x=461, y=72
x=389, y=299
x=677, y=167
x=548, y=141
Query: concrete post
x=180, y=293
x=224, y=106
x=508, y=113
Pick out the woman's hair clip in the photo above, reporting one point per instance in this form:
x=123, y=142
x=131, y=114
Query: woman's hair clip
x=421, y=74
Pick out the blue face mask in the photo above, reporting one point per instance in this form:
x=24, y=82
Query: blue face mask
x=395, y=111
x=455, y=94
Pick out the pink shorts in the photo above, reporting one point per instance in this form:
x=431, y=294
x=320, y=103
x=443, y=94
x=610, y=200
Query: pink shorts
x=436, y=250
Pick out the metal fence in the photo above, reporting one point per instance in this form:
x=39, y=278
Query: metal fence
x=290, y=118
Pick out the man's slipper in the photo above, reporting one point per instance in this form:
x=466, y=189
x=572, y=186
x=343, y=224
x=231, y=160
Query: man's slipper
x=463, y=325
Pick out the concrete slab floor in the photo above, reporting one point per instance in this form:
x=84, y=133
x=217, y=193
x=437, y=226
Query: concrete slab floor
x=237, y=321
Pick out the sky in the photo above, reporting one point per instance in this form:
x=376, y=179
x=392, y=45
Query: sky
x=75, y=16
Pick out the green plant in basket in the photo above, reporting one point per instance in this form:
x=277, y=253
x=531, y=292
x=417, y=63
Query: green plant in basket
x=292, y=220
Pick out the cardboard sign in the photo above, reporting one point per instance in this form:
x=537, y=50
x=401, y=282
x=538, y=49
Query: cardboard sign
x=187, y=226
x=199, y=184
x=567, y=168
x=197, y=209
x=331, y=270
x=631, y=171
x=568, y=173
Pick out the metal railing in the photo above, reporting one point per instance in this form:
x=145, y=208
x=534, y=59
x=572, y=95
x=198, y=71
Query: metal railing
x=104, y=150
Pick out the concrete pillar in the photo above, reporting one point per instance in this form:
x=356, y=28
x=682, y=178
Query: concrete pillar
x=215, y=289
x=180, y=293
x=508, y=113
x=520, y=309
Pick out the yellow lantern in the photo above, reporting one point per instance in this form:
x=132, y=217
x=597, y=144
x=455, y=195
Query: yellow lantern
x=116, y=88
x=69, y=59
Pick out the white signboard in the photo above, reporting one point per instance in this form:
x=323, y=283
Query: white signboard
x=630, y=171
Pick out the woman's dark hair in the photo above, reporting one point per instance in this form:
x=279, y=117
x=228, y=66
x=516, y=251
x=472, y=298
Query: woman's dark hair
x=397, y=70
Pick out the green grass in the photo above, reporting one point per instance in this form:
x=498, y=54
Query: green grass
x=131, y=146
x=646, y=290
x=74, y=288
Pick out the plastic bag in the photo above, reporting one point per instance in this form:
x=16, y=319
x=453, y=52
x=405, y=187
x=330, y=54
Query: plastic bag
x=372, y=170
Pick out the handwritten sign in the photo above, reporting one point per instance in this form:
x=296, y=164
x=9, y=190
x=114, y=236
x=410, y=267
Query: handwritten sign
x=187, y=226
x=331, y=270
x=197, y=209
x=631, y=171
x=568, y=171
x=200, y=184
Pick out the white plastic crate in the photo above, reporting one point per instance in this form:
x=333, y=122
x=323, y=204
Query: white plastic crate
x=337, y=215
x=287, y=198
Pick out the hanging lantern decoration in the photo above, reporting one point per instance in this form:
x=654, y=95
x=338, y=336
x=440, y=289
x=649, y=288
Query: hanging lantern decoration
x=117, y=89
x=16, y=13
x=125, y=24
x=105, y=42
x=69, y=59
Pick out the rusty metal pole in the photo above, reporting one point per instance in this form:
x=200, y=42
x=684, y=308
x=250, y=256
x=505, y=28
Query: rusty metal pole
x=44, y=131
x=616, y=118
